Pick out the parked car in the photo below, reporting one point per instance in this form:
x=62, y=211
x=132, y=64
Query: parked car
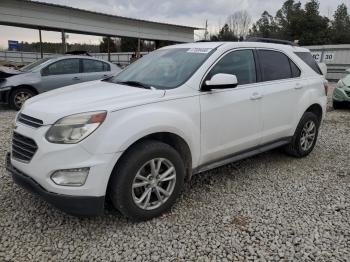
x=341, y=92
x=181, y=110
x=46, y=74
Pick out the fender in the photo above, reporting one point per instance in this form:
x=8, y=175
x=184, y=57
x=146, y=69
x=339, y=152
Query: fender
x=124, y=127
x=311, y=96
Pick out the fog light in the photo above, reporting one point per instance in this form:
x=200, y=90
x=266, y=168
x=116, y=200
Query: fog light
x=70, y=177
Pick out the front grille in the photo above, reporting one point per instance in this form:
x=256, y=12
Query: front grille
x=29, y=121
x=23, y=148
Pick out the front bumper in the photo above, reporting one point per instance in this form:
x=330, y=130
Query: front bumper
x=75, y=205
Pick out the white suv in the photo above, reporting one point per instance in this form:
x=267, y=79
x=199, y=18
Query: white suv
x=181, y=110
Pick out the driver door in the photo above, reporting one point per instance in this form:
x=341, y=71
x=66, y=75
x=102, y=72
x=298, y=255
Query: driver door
x=231, y=120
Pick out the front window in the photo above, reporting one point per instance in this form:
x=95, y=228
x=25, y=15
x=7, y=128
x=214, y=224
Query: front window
x=240, y=63
x=164, y=69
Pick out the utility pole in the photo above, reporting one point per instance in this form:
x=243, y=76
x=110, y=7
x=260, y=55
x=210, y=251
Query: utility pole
x=109, y=48
x=63, y=42
x=206, y=30
x=41, y=44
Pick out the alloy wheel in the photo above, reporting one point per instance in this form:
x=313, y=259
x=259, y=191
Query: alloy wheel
x=154, y=183
x=21, y=97
x=308, y=135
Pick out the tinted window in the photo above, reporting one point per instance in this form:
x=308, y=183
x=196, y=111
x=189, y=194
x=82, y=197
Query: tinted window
x=295, y=70
x=240, y=63
x=62, y=67
x=274, y=65
x=310, y=61
x=90, y=66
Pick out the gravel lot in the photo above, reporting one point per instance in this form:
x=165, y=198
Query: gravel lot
x=268, y=207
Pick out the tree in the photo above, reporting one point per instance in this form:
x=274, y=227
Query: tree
x=289, y=20
x=264, y=27
x=315, y=27
x=340, y=28
x=104, y=45
x=225, y=34
x=239, y=23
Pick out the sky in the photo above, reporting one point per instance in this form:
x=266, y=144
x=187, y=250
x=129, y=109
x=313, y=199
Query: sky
x=182, y=12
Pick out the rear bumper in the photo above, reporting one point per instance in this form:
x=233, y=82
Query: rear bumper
x=74, y=205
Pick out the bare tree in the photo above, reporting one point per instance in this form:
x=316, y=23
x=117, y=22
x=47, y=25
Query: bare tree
x=239, y=23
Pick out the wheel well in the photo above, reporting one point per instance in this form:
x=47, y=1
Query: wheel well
x=175, y=141
x=316, y=109
x=24, y=86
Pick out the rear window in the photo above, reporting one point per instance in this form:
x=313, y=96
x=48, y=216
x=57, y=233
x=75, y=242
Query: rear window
x=310, y=61
x=274, y=65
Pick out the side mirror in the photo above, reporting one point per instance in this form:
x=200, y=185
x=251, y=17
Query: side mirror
x=221, y=81
x=347, y=71
x=323, y=68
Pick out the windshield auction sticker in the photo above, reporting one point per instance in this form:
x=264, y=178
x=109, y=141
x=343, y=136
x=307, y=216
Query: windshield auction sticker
x=199, y=50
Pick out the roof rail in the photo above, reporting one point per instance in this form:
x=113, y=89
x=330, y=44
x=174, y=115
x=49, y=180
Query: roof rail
x=270, y=40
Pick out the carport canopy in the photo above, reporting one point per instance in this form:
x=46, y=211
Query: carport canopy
x=52, y=17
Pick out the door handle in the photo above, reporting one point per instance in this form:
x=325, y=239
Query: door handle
x=76, y=78
x=256, y=96
x=298, y=86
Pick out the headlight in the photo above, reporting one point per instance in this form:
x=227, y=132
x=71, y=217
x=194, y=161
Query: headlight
x=340, y=84
x=73, y=129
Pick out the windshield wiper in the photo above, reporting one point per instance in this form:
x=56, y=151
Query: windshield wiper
x=135, y=83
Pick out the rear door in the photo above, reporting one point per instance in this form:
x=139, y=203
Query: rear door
x=94, y=69
x=281, y=88
x=60, y=73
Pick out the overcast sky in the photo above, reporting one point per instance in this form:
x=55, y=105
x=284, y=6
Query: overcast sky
x=183, y=12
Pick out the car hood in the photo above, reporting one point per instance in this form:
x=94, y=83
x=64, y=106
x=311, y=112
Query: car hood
x=85, y=97
x=6, y=72
x=346, y=80
x=21, y=78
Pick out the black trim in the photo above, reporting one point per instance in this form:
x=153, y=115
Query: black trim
x=74, y=205
x=270, y=40
x=259, y=77
x=242, y=155
x=5, y=96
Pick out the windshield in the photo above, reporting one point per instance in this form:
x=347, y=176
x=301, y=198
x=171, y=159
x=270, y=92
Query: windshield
x=164, y=69
x=34, y=64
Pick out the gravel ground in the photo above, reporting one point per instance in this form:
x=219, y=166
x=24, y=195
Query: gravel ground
x=268, y=207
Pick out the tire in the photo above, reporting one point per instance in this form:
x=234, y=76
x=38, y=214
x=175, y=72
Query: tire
x=296, y=147
x=138, y=161
x=19, y=96
x=337, y=105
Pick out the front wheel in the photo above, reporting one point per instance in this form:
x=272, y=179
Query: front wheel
x=147, y=181
x=19, y=96
x=305, y=136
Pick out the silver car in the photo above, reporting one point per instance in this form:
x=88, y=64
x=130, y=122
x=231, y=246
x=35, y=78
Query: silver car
x=16, y=86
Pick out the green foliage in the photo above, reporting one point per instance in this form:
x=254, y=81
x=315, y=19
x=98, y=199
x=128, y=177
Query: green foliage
x=225, y=34
x=104, y=45
x=340, y=26
x=305, y=24
x=265, y=27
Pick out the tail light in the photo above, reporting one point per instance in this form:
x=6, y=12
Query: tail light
x=326, y=88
